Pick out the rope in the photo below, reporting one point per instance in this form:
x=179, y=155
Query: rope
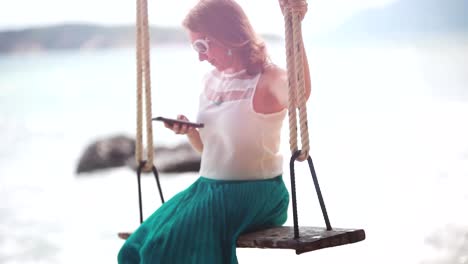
x=293, y=13
x=143, y=81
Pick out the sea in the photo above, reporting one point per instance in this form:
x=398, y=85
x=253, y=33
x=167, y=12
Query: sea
x=388, y=130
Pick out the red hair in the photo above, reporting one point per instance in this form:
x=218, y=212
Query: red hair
x=226, y=22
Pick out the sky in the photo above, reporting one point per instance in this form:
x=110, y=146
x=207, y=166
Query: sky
x=265, y=15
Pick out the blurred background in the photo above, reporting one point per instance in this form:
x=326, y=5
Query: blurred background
x=387, y=117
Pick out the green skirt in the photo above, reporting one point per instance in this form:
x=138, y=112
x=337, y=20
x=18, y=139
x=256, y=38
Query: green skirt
x=201, y=224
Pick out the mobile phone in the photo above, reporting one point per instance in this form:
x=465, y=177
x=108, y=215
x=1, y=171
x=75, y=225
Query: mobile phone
x=171, y=122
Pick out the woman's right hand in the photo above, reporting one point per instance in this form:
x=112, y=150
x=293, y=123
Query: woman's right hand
x=180, y=129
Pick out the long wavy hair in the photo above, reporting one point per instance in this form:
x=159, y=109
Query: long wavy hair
x=226, y=22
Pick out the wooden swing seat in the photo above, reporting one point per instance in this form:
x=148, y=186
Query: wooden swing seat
x=311, y=238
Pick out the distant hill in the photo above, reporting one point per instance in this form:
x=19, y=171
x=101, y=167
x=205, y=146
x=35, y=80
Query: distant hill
x=84, y=36
x=404, y=20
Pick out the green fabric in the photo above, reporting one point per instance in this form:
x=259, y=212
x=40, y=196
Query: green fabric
x=201, y=224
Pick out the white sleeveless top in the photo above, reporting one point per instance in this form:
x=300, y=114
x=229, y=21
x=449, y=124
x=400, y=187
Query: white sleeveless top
x=238, y=143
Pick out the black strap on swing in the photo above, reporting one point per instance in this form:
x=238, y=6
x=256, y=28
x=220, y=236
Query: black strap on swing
x=305, y=238
x=156, y=176
x=125, y=235
x=317, y=189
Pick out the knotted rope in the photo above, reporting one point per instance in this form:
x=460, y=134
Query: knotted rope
x=143, y=81
x=293, y=12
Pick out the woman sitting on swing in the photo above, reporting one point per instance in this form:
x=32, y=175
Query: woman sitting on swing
x=240, y=188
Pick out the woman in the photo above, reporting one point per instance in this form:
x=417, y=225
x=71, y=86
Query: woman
x=242, y=105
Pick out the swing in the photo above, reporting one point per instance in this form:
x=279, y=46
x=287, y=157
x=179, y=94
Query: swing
x=299, y=238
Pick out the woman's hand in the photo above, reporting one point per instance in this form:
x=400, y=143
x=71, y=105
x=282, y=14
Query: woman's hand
x=181, y=129
x=191, y=132
x=300, y=5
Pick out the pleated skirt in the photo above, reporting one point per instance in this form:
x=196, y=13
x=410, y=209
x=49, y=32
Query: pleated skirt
x=201, y=224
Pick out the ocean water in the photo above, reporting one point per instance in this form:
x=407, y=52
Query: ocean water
x=388, y=131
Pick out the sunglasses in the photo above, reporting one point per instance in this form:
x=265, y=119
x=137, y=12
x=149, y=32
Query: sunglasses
x=201, y=46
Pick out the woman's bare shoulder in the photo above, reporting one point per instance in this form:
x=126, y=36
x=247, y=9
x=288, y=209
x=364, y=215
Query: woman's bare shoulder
x=272, y=89
x=273, y=72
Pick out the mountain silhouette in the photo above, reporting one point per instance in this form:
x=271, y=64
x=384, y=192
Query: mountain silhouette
x=87, y=37
x=405, y=20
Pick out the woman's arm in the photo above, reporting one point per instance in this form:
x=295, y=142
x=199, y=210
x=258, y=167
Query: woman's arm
x=195, y=140
x=275, y=84
x=302, y=6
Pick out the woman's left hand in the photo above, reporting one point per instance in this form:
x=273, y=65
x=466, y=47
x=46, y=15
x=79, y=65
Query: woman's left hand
x=180, y=129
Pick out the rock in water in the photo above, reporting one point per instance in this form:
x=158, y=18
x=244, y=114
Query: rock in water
x=174, y=159
x=118, y=151
x=107, y=153
x=180, y=158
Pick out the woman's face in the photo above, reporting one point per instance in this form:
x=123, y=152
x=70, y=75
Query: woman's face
x=215, y=53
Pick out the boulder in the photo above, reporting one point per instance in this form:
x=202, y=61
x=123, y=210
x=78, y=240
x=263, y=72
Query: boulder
x=176, y=159
x=106, y=153
x=118, y=151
